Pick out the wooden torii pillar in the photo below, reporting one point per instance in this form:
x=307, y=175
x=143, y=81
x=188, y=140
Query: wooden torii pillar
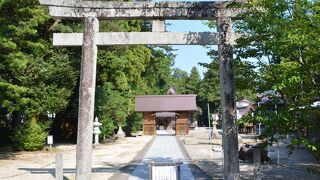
x=91, y=11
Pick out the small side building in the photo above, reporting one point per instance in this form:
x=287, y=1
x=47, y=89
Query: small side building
x=244, y=107
x=166, y=112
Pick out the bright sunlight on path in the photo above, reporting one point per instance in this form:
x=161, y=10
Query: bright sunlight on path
x=164, y=148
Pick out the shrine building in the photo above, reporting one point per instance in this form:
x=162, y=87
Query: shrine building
x=170, y=112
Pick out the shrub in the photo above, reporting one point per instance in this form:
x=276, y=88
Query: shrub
x=108, y=126
x=30, y=137
x=134, y=123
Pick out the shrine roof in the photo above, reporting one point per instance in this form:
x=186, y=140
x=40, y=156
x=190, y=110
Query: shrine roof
x=165, y=103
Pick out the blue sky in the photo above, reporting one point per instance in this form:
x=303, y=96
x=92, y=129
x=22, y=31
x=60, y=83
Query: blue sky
x=189, y=55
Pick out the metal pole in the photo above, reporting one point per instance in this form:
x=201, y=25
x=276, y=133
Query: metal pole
x=278, y=149
x=210, y=148
x=209, y=117
x=278, y=153
x=86, y=99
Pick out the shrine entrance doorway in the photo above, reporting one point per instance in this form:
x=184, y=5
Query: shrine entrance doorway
x=166, y=113
x=165, y=123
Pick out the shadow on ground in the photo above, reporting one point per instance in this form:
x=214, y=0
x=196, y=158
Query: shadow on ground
x=274, y=171
x=7, y=153
x=112, y=169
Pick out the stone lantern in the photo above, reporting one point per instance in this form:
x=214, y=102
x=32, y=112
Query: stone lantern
x=96, y=130
x=215, y=118
x=215, y=134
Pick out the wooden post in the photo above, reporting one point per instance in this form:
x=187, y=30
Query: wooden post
x=59, y=166
x=227, y=84
x=87, y=95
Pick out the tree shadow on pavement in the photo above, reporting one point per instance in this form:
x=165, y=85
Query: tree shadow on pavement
x=7, y=153
x=112, y=169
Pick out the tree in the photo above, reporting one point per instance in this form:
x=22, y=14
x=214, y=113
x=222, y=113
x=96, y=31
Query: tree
x=245, y=75
x=119, y=78
x=158, y=70
x=35, y=79
x=126, y=71
x=283, y=38
x=179, y=80
x=193, y=81
x=31, y=82
x=209, y=89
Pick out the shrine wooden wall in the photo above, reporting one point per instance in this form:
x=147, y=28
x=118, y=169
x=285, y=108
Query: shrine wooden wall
x=149, y=124
x=182, y=124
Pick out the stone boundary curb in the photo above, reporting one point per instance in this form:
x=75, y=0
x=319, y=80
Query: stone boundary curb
x=197, y=173
x=125, y=171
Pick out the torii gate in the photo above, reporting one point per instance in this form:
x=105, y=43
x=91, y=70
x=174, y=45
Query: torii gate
x=91, y=11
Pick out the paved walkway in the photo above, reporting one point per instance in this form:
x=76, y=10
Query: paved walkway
x=165, y=147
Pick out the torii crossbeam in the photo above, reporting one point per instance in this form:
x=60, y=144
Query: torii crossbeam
x=91, y=11
x=139, y=10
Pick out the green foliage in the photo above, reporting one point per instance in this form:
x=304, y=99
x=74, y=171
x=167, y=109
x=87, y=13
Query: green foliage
x=245, y=77
x=185, y=83
x=134, y=123
x=37, y=79
x=126, y=71
x=179, y=80
x=209, y=86
x=30, y=137
x=34, y=78
x=313, y=147
x=108, y=126
x=193, y=81
x=158, y=70
x=283, y=37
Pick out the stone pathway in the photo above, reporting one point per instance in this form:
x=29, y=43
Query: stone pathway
x=165, y=148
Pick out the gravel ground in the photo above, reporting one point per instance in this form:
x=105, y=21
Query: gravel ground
x=299, y=165
x=117, y=160
x=107, y=160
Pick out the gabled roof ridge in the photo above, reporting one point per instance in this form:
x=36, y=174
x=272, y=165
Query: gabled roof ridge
x=177, y=95
x=246, y=100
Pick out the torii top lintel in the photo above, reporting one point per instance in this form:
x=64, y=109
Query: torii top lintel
x=139, y=10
